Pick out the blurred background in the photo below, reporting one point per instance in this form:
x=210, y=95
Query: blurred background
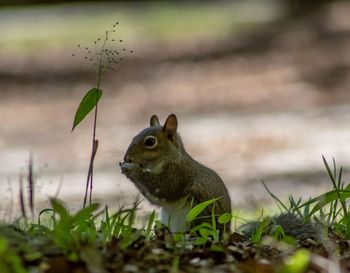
x=260, y=88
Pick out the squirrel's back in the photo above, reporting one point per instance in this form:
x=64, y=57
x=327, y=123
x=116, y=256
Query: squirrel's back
x=206, y=185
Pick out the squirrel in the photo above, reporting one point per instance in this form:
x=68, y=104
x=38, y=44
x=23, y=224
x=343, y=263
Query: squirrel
x=159, y=166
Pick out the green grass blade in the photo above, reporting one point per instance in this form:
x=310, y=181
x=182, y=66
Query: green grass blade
x=347, y=227
x=257, y=234
x=213, y=220
x=58, y=207
x=278, y=201
x=196, y=210
x=149, y=224
x=329, y=197
x=340, y=178
x=330, y=174
x=107, y=218
x=85, y=213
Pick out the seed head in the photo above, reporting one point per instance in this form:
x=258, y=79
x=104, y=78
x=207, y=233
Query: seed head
x=106, y=56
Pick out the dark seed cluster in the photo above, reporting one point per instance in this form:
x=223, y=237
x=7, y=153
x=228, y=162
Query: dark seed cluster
x=107, y=52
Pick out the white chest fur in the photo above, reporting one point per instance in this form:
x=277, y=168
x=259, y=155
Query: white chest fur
x=174, y=214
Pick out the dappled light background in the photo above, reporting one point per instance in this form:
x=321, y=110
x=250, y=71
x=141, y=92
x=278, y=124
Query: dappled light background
x=260, y=91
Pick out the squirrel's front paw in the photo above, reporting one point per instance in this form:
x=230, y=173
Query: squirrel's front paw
x=128, y=168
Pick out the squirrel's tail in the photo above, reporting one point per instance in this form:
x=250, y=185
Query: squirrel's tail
x=291, y=224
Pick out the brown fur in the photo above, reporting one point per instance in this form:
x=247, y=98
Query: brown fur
x=179, y=176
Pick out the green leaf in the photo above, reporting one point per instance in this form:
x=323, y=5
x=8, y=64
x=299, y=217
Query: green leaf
x=86, y=105
x=32, y=256
x=298, y=263
x=259, y=231
x=329, y=197
x=217, y=248
x=128, y=240
x=225, y=218
x=347, y=227
x=256, y=237
x=85, y=213
x=326, y=198
x=195, y=211
x=3, y=246
x=73, y=256
x=203, y=225
x=58, y=207
x=201, y=241
x=205, y=232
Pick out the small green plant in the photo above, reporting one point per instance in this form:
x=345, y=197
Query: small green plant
x=206, y=229
x=69, y=230
x=225, y=219
x=106, y=55
x=260, y=230
x=277, y=232
x=198, y=209
x=120, y=224
x=329, y=208
x=10, y=262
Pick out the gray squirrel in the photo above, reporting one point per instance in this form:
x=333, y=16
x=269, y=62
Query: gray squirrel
x=159, y=166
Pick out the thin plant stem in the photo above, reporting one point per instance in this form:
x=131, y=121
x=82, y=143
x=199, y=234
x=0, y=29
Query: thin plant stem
x=90, y=173
x=89, y=180
x=31, y=184
x=21, y=197
x=59, y=188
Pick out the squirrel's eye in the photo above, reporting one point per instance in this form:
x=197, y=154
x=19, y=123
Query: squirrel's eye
x=150, y=141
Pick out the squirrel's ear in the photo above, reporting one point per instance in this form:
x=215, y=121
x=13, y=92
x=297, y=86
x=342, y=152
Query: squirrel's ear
x=154, y=121
x=170, y=126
